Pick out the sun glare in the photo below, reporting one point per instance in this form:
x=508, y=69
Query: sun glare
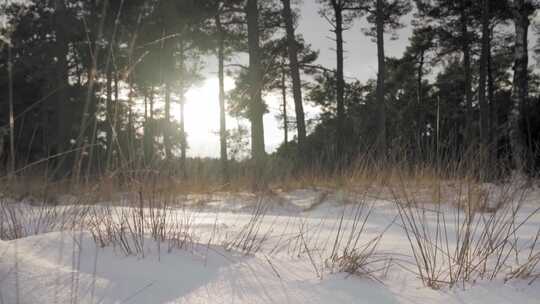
x=202, y=116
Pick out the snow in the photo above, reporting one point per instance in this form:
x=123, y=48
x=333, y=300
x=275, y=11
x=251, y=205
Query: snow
x=57, y=265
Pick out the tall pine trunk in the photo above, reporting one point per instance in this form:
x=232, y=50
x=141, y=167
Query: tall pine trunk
x=493, y=113
x=222, y=117
x=465, y=49
x=87, y=114
x=109, y=109
x=115, y=122
x=381, y=108
x=256, y=108
x=12, y=155
x=61, y=129
x=183, y=83
x=284, y=100
x=340, y=87
x=183, y=139
x=149, y=130
x=520, y=90
x=420, y=112
x=146, y=128
x=294, y=67
x=168, y=66
x=130, y=127
x=484, y=110
x=109, y=116
x=167, y=126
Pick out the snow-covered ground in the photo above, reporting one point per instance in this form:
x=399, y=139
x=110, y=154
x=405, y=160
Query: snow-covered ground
x=240, y=248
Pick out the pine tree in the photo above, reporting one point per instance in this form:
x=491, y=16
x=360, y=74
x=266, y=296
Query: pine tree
x=256, y=110
x=339, y=14
x=227, y=28
x=292, y=48
x=522, y=10
x=385, y=15
x=454, y=22
x=418, y=52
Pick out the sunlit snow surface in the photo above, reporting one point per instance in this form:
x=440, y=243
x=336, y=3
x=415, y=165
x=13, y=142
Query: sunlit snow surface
x=68, y=267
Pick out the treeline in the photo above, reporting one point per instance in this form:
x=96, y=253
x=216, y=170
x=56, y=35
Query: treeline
x=87, y=86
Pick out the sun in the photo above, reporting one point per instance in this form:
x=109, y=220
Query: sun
x=202, y=116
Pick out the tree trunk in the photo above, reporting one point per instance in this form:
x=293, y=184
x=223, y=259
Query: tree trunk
x=116, y=114
x=255, y=89
x=150, y=128
x=292, y=48
x=168, y=68
x=109, y=109
x=167, y=126
x=148, y=138
x=484, y=110
x=284, y=99
x=420, y=122
x=109, y=115
x=483, y=72
x=131, y=128
x=493, y=115
x=340, y=87
x=145, y=129
x=465, y=48
x=520, y=84
x=381, y=108
x=12, y=155
x=183, y=139
x=61, y=130
x=87, y=114
x=222, y=117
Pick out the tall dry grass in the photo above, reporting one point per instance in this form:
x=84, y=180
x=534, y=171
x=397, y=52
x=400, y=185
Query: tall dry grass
x=475, y=237
x=460, y=229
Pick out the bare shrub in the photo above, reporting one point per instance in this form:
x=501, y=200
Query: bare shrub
x=18, y=220
x=129, y=227
x=529, y=269
x=250, y=238
x=469, y=246
x=351, y=253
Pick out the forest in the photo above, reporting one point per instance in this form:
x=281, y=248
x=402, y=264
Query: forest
x=88, y=86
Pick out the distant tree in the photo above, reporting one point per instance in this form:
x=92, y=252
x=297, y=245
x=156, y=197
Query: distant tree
x=418, y=53
x=221, y=76
x=522, y=10
x=176, y=36
x=283, y=116
x=385, y=15
x=340, y=15
x=238, y=147
x=294, y=68
x=454, y=22
x=262, y=20
x=256, y=110
x=278, y=70
x=491, y=13
x=228, y=30
x=410, y=124
x=41, y=35
x=322, y=93
x=482, y=82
